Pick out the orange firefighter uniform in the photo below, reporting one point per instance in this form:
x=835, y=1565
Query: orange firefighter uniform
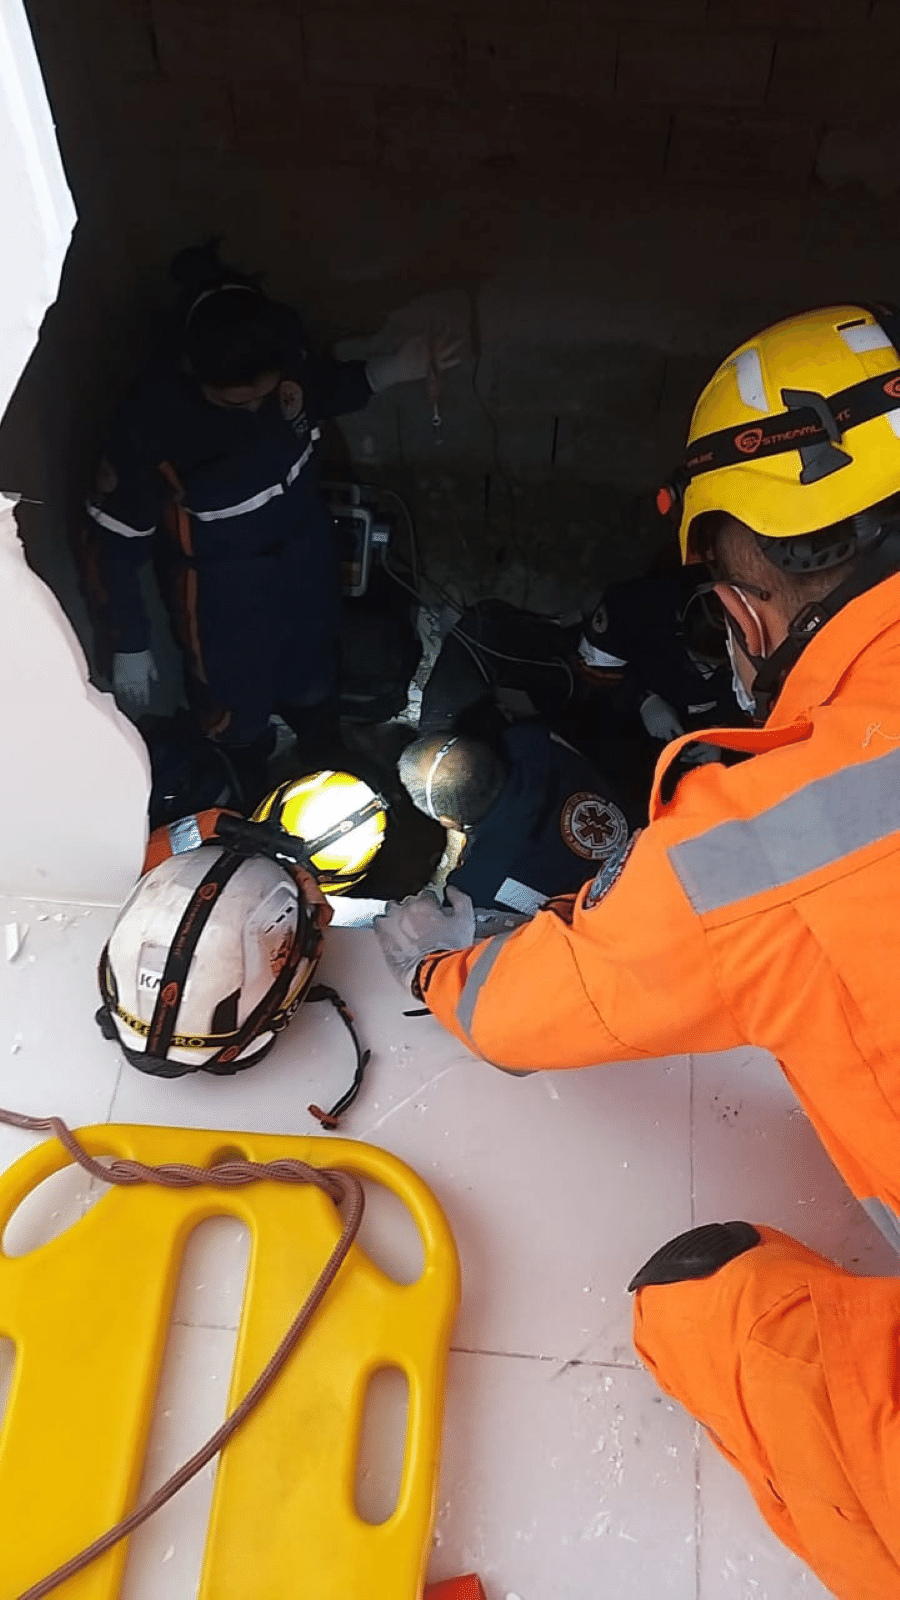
x=792, y=1366
x=759, y=906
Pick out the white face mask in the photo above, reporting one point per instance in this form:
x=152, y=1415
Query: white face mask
x=742, y=695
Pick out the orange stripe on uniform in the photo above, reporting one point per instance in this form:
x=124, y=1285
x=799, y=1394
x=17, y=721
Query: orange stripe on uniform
x=188, y=586
x=178, y=519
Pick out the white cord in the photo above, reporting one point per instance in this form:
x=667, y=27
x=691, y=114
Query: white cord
x=473, y=645
x=410, y=525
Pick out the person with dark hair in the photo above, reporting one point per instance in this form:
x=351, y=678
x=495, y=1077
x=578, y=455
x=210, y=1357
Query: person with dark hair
x=648, y=664
x=760, y=906
x=212, y=468
x=537, y=819
x=652, y=654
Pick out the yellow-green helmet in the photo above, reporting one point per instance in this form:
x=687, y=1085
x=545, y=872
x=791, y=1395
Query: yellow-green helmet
x=341, y=820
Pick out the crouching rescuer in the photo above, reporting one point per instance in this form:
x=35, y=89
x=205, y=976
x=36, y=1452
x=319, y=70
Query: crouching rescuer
x=759, y=906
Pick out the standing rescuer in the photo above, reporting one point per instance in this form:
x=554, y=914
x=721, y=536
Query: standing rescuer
x=773, y=879
x=212, y=467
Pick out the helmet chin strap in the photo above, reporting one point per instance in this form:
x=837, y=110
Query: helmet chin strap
x=879, y=562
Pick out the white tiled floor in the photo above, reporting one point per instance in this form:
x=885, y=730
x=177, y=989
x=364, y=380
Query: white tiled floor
x=566, y=1475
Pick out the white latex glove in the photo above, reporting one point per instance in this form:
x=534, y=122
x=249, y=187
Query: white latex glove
x=132, y=674
x=660, y=719
x=414, y=928
x=420, y=357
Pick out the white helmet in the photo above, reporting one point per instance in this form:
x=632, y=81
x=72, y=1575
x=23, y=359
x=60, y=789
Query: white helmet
x=210, y=957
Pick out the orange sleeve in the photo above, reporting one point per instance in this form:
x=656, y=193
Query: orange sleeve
x=628, y=976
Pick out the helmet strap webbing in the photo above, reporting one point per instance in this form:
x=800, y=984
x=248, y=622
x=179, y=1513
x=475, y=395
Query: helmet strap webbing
x=331, y=1118
x=372, y=808
x=181, y=952
x=880, y=562
x=810, y=421
x=307, y=938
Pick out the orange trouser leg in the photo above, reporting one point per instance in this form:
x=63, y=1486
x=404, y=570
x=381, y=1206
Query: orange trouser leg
x=741, y=1350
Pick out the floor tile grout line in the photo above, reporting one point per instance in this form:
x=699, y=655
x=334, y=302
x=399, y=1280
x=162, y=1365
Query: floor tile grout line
x=70, y=905
x=115, y=1093
x=691, y=1139
x=698, y=1510
x=458, y=1350
x=565, y=1362
x=206, y=1327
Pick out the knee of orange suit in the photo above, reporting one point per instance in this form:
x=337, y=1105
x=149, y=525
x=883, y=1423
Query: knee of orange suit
x=742, y=1350
x=692, y=1335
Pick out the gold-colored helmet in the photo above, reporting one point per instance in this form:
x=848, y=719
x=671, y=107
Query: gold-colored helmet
x=797, y=432
x=341, y=820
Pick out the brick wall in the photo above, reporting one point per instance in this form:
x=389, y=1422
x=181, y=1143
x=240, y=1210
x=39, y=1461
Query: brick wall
x=621, y=187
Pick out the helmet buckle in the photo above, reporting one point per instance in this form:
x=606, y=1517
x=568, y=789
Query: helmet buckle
x=808, y=621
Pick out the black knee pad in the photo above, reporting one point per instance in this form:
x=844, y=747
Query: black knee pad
x=696, y=1254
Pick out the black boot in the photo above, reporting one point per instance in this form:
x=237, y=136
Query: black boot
x=696, y=1254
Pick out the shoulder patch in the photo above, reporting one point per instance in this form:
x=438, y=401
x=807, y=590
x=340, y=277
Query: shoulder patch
x=610, y=873
x=291, y=398
x=592, y=827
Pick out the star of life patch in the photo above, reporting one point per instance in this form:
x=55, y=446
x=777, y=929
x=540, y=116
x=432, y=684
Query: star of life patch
x=291, y=400
x=592, y=826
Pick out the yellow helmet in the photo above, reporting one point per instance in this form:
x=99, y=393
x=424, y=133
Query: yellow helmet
x=341, y=820
x=797, y=431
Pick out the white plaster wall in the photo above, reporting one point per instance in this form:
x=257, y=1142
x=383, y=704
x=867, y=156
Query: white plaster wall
x=73, y=772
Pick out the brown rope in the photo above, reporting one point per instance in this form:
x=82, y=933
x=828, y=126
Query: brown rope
x=339, y=1186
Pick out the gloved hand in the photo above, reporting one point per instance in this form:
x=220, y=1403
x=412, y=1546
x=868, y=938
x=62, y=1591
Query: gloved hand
x=415, y=360
x=660, y=719
x=133, y=671
x=414, y=928
x=701, y=754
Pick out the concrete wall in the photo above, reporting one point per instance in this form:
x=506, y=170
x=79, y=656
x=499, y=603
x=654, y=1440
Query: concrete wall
x=63, y=834
x=622, y=188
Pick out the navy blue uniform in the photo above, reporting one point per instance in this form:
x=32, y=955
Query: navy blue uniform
x=635, y=645
x=552, y=828
x=229, y=502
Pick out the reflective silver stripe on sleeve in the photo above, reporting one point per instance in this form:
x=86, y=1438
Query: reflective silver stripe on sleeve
x=821, y=824
x=242, y=507
x=593, y=657
x=886, y=1220
x=468, y=1000
x=115, y=526
x=184, y=835
x=298, y=466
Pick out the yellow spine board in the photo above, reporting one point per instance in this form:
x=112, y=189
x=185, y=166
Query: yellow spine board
x=89, y=1314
